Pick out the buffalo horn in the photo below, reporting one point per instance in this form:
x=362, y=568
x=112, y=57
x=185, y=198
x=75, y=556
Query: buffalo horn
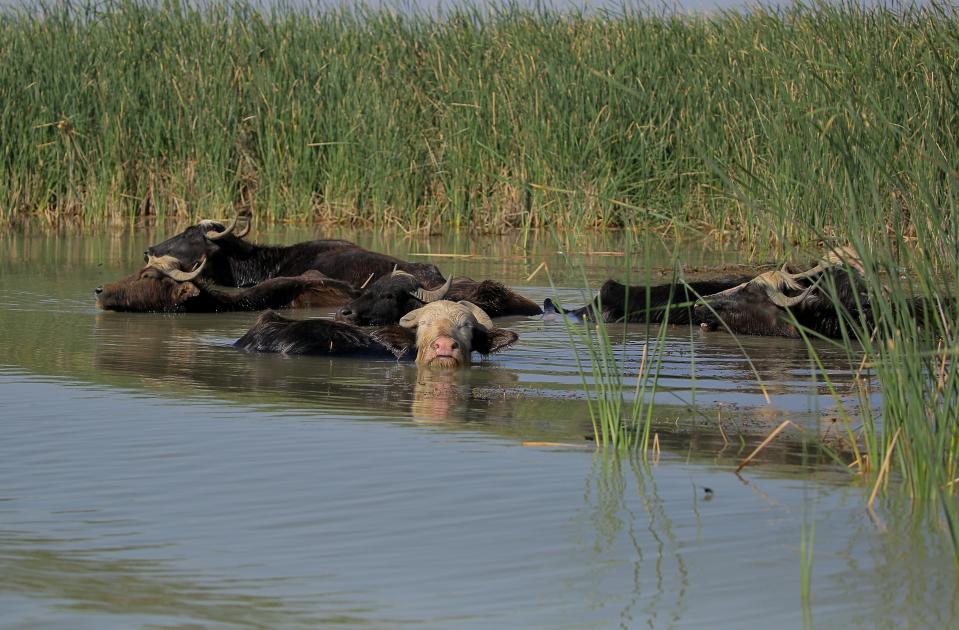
x=729, y=291
x=808, y=274
x=779, y=298
x=426, y=295
x=243, y=216
x=846, y=256
x=481, y=317
x=834, y=258
x=169, y=266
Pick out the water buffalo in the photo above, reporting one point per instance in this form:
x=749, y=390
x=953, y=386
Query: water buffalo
x=759, y=306
x=820, y=300
x=618, y=302
x=164, y=288
x=233, y=261
x=443, y=334
x=391, y=297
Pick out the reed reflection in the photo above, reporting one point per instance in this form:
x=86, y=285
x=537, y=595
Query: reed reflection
x=906, y=558
x=646, y=541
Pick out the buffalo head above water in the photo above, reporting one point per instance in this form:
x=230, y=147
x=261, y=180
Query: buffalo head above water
x=202, y=240
x=447, y=333
x=388, y=299
x=816, y=300
x=161, y=287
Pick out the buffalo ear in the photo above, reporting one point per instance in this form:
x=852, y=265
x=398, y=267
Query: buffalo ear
x=492, y=340
x=396, y=339
x=184, y=291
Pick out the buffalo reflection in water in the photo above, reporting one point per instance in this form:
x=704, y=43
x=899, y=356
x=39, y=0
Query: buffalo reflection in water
x=194, y=356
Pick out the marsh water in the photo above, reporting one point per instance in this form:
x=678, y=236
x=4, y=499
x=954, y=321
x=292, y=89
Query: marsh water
x=151, y=475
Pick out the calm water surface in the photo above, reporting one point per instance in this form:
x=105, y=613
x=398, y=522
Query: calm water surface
x=150, y=475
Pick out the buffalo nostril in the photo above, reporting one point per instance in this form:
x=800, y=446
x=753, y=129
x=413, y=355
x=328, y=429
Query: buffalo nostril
x=445, y=344
x=98, y=290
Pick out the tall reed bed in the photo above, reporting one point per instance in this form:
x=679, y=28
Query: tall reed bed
x=484, y=119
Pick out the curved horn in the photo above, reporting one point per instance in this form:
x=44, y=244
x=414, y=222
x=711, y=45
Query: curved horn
x=427, y=296
x=834, y=258
x=409, y=280
x=411, y=319
x=482, y=318
x=808, y=274
x=247, y=216
x=729, y=291
x=243, y=216
x=170, y=266
x=846, y=255
x=779, y=298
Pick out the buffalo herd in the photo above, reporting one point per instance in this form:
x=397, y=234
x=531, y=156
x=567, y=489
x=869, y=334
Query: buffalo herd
x=394, y=308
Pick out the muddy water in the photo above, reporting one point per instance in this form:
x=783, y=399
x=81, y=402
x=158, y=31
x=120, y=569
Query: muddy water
x=151, y=475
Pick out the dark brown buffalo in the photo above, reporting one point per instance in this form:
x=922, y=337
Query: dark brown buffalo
x=779, y=304
x=391, y=297
x=828, y=300
x=618, y=302
x=155, y=290
x=233, y=261
x=440, y=334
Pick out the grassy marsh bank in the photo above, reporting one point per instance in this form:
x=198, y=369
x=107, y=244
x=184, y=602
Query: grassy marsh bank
x=121, y=111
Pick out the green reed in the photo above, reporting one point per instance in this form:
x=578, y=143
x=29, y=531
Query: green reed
x=621, y=412
x=617, y=422
x=486, y=118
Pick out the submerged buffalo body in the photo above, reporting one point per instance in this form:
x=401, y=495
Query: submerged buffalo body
x=152, y=290
x=618, y=302
x=391, y=297
x=232, y=261
x=441, y=334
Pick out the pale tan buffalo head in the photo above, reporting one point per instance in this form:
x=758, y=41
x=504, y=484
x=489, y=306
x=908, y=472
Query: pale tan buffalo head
x=447, y=333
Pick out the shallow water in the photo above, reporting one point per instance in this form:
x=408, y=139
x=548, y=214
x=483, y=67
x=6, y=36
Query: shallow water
x=151, y=475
